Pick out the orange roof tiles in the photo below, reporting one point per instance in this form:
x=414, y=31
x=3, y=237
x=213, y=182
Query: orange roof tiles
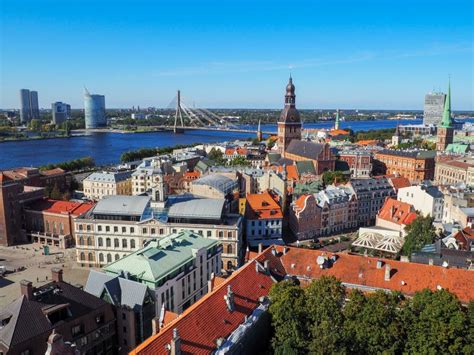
x=338, y=132
x=191, y=175
x=399, y=182
x=368, y=142
x=229, y=151
x=262, y=206
x=54, y=171
x=61, y=207
x=362, y=271
x=398, y=212
x=464, y=238
x=291, y=171
x=208, y=319
x=301, y=201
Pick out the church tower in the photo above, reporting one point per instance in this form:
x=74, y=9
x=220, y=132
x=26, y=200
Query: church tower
x=445, y=130
x=289, y=124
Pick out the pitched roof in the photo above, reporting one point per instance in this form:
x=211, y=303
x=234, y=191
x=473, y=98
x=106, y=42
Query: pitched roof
x=201, y=208
x=209, y=319
x=51, y=172
x=121, y=291
x=398, y=212
x=122, y=205
x=362, y=271
x=28, y=318
x=464, y=238
x=305, y=149
x=399, y=182
x=161, y=256
x=262, y=206
x=305, y=167
x=109, y=176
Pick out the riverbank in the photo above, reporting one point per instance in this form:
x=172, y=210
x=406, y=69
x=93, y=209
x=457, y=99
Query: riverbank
x=38, y=138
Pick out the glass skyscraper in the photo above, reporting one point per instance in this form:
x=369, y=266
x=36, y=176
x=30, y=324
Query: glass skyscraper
x=433, y=110
x=94, y=107
x=29, y=107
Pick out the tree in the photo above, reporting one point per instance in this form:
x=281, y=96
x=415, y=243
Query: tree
x=419, y=233
x=435, y=323
x=469, y=347
x=372, y=323
x=287, y=309
x=216, y=156
x=329, y=177
x=35, y=125
x=324, y=302
x=239, y=161
x=55, y=193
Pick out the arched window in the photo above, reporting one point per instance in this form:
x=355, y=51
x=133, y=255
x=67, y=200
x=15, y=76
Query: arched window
x=108, y=243
x=83, y=256
x=229, y=248
x=89, y=241
x=117, y=257
x=132, y=243
x=116, y=243
x=229, y=265
x=101, y=242
x=109, y=258
x=91, y=257
x=81, y=241
x=124, y=243
x=101, y=257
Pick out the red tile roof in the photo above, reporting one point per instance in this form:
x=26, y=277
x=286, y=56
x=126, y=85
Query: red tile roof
x=208, y=319
x=362, y=271
x=301, y=201
x=399, y=182
x=55, y=171
x=398, y=212
x=262, y=206
x=61, y=207
x=291, y=171
x=464, y=238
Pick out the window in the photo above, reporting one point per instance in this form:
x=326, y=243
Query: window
x=76, y=330
x=229, y=248
x=109, y=258
x=107, y=228
x=89, y=241
x=209, y=233
x=117, y=256
x=91, y=257
x=115, y=229
x=124, y=229
x=100, y=241
x=153, y=231
x=124, y=316
x=101, y=258
x=116, y=243
x=144, y=231
x=124, y=243
x=83, y=257
x=108, y=243
x=99, y=228
x=132, y=243
x=81, y=241
x=132, y=230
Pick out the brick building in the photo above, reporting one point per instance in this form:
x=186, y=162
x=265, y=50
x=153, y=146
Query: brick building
x=305, y=218
x=359, y=162
x=414, y=165
x=319, y=154
x=51, y=221
x=27, y=323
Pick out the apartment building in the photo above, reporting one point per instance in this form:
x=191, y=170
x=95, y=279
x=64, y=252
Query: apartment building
x=107, y=183
x=455, y=172
x=415, y=165
x=177, y=267
x=424, y=198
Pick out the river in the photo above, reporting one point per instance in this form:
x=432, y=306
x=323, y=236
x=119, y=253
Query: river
x=106, y=148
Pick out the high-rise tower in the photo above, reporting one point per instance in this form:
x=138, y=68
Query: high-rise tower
x=445, y=129
x=336, y=124
x=289, y=124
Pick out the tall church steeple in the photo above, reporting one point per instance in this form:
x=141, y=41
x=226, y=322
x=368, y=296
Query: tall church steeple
x=445, y=130
x=289, y=124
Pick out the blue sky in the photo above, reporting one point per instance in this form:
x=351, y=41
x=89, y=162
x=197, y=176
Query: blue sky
x=346, y=54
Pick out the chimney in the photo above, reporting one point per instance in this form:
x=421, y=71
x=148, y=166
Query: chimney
x=26, y=289
x=57, y=274
x=266, y=265
x=175, y=343
x=388, y=271
x=229, y=299
x=210, y=282
x=285, y=250
x=260, y=247
x=155, y=325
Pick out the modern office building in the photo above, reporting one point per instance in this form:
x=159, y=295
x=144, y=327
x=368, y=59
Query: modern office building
x=61, y=112
x=34, y=105
x=29, y=108
x=433, y=109
x=176, y=267
x=94, y=108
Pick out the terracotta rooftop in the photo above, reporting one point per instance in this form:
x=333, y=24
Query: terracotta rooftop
x=368, y=142
x=399, y=182
x=54, y=171
x=209, y=319
x=291, y=171
x=262, y=206
x=464, y=238
x=61, y=207
x=398, y=212
x=405, y=277
x=301, y=201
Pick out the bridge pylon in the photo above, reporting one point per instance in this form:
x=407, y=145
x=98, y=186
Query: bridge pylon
x=179, y=114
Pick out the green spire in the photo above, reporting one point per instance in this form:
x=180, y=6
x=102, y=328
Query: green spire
x=447, y=122
x=336, y=124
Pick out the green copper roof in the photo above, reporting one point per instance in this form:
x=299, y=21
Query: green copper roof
x=161, y=257
x=457, y=148
x=447, y=122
